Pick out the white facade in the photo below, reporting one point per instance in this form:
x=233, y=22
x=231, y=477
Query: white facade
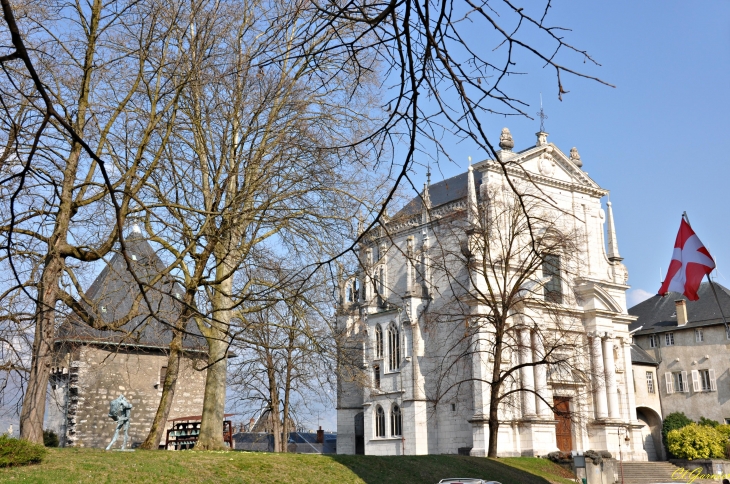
x=392, y=316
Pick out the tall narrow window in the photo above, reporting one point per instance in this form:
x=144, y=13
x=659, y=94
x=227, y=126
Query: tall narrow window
x=381, y=285
x=650, y=382
x=378, y=341
x=163, y=374
x=393, y=347
x=704, y=380
x=376, y=376
x=680, y=381
x=395, y=421
x=699, y=335
x=379, y=422
x=653, y=341
x=554, y=286
x=669, y=339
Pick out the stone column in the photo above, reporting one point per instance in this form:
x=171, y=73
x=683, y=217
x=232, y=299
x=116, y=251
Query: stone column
x=527, y=374
x=543, y=410
x=599, y=387
x=629, y=372
x=609, y=365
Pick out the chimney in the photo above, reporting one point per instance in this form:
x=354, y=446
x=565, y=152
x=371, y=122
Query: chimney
x=681, y=306
x=320, y=435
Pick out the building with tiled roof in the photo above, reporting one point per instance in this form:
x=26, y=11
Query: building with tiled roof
x=94, y=366
x=690, y=344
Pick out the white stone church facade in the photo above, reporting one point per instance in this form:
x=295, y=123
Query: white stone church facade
x=397, y=403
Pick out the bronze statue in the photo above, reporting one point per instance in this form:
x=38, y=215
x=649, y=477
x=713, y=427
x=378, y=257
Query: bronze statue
x=120, y=410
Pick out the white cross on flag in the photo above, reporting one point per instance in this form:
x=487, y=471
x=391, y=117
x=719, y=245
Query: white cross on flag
x=690, y=263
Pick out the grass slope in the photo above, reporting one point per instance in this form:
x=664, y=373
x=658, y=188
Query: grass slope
x=98, y=466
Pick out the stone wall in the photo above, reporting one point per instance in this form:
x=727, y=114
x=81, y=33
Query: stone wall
x=700, y=469
x=97, y=375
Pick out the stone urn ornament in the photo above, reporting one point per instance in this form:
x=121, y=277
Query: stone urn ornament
x=505, y=140
x=120, y=411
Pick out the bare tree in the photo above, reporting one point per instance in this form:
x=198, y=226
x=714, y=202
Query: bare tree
x=111, y=71
x=286, y=357
x=256, y=172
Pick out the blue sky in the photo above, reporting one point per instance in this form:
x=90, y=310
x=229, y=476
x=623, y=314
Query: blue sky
x=657, y=140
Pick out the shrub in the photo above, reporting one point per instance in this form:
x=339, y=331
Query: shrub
x=708, y=422
x=17, y=452
x=696, y=442
x=724, y=430
x=673, y=421
x=50, y=439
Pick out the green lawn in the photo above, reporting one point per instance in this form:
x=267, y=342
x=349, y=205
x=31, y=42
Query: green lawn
x=98, y=466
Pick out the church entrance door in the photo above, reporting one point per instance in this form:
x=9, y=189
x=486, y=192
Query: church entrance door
x=564, y=428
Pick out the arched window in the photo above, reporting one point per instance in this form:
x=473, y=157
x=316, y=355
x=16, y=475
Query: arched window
x=395, y=421
x=379, y=422
x=393, y=347
x=378, y=341
x=376, y=376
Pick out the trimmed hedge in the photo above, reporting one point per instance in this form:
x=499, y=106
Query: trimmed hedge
x=17, y=452
x=696, y=442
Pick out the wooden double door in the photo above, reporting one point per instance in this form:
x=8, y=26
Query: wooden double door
x=564, y=427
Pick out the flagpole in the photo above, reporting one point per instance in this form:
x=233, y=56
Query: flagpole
x=714, y=292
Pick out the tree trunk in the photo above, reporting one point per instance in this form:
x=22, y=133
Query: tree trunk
x=493, y=428
x=152, y=441
x=274, y=402
x=214, y=400
x=287, y=389
x=34, y=402
x=494, y=390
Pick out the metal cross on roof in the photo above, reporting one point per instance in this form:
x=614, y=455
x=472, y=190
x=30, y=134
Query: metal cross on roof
x=541, y=114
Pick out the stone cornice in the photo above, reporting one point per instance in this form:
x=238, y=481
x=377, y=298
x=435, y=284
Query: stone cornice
x=602, y=282
x=491, y=165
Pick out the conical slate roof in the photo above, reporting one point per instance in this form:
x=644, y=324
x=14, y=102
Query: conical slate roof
x=658, y=314
x=113, y=292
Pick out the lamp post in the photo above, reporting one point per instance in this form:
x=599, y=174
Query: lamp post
x=620, y=451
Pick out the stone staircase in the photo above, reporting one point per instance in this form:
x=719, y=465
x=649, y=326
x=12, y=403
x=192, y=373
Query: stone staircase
x=653, y=473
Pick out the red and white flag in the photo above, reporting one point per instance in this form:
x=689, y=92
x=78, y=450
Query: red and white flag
x=690, y=263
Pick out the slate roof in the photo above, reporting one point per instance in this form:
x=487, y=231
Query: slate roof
x=443, y=192
x=638, y=355
x=113, y=292
x=658, y=314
